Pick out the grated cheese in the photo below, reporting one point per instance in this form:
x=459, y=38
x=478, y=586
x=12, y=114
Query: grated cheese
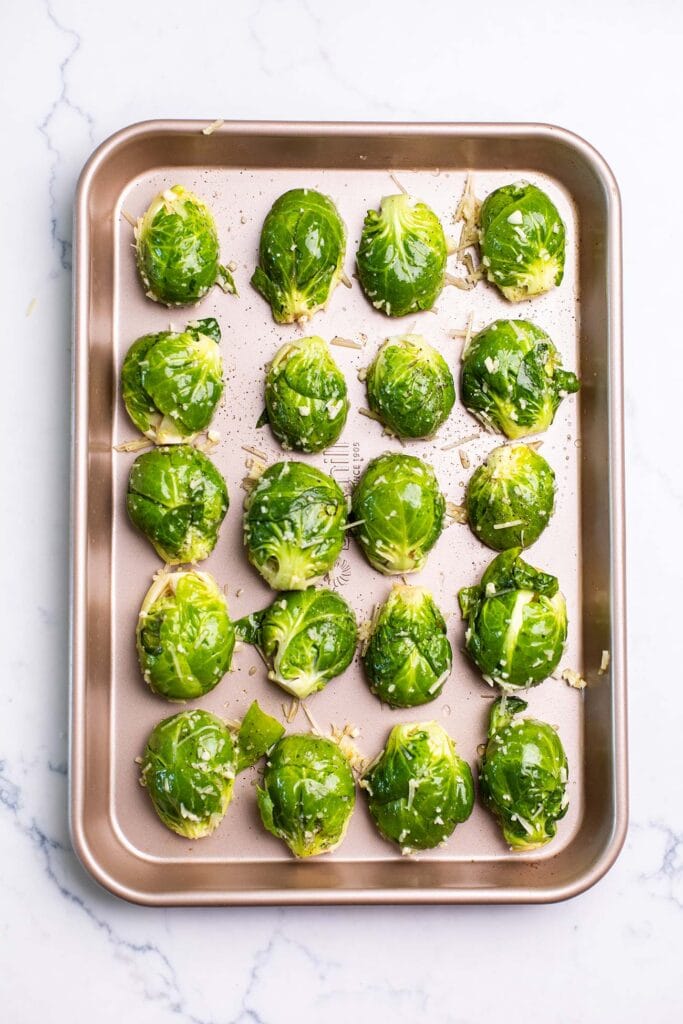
x=346, y=343
x=573, y=678
x=211, y=128
x=458, y=513
x=604, y=663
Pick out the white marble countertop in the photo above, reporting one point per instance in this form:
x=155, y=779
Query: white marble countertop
x=73, y=73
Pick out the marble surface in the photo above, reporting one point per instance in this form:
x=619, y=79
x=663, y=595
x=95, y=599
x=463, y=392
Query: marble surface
x=72, y=73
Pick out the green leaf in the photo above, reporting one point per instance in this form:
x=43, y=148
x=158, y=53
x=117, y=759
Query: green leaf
x=257, y=734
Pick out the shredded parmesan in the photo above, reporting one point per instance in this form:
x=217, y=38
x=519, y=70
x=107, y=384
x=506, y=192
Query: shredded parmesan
x=211, y=128
x=133, y=446
x=505, y=526
x=31, y=306
x=345, y=739
x=573, y=678
x=255, y=468
x=130, y=218
x=464, y=459
x=397, y=183
x=290, y=712
x=315, y=728
x=343, y=277
x=346, y=343
x=604, y=663
x=256, y=452
x=461, y=441
x=458, y=513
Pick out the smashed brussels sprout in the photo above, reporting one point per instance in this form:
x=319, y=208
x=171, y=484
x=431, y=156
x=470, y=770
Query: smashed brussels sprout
x=306, y=637
x=523, y=776
x=418, y=788
x=522, y=238
x=190, y=762
x=510, y=497
x=408, y=657
x=308, y=794
x=178, y=499
x=398, y=512
x=410, y=386
x=189, y=768
x=185, y=638
x=176, y=247
x=401, y=258
x=306, y=400
x=301, y=255
x=294, y=520
x=512, y=378
x=516, y=622
x=171, y=383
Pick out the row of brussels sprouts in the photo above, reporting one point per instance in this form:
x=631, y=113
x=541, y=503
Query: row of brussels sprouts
x=418, y=788
x=401, y=258
x=512, y=381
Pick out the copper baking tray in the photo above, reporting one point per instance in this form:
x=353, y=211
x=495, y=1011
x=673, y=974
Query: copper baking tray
x=240, y=168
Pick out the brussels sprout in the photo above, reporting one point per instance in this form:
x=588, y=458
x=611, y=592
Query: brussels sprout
x=510, y=497
x=410, y=386
x=512, y=378
x=294, y=523
x=176, y=247
x=301, y=255
x=308, y=794
x=399, y=511
x=189, y=768
x=516, y=622
x=185, y=638
x=521, y=241
x=402, y=256
x=306, y=401
x=307, y=637
x=523, y=776
x=408, y=657
x=178, y=499
x=171, y=383
x=190, y=762
x=418, y=788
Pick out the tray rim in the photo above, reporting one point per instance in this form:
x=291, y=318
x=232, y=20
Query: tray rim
x=79, y=515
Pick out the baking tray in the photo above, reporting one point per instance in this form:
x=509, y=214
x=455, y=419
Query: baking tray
x=240, y=168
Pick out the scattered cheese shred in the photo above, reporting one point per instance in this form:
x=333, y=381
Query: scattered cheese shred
x=345, y=280
x=345, y=740
x=256, y=452
x=315, y=728
x=31, y=306
x=211, y=128
x=130, y=218
x=290, y=712
x=346, y=343
x=464, y=459
x=458, y=513
x=604, y=663
x=133, y=446
x=255, y=468
x=573, y=678
x=461, y=441
x=397, y=183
